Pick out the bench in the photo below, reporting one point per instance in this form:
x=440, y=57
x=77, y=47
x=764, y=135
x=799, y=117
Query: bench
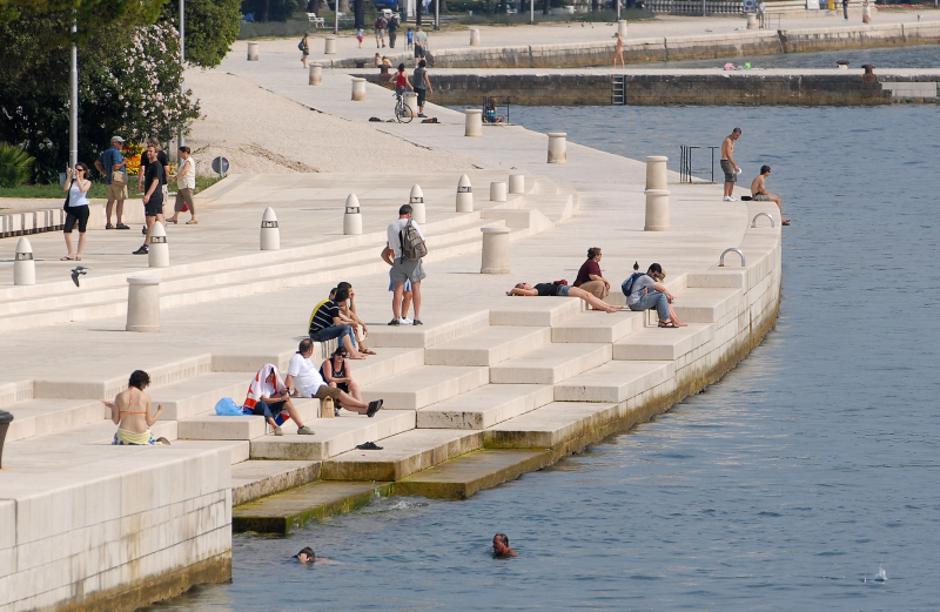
x=318, y=22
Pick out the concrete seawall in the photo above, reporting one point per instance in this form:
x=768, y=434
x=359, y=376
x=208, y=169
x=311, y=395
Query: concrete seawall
x=676, y=48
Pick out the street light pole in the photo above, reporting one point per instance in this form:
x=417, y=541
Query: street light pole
x=437, y=14
x=180, y=138
x=73, y=101
x=336, y=17
x=531, y=11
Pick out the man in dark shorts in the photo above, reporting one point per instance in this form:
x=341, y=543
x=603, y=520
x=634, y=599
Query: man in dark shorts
x=759, y=192
x=561, y=289
x=728, y=165
x=153, y=196
x=421, y=83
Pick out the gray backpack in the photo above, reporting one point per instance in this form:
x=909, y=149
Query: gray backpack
x=413, y=246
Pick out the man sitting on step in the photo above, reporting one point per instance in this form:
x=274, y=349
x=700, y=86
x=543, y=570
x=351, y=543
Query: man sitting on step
x=303, y=378
x=327, y=323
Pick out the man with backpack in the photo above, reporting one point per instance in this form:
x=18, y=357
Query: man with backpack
x=407, y=243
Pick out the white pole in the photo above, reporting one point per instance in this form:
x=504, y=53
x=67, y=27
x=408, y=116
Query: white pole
x=181, y=140
x=73, y=102
x=619, y=2
x=531, y=11
x=336, y=16
x=437, y=14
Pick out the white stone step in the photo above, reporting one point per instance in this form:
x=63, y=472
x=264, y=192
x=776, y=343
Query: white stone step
x=595, y=326
x=614, y=382
x=438, y=328
x=332, y=436
x=551, y=364
x=402, y=455
x=702, y=305
x=488, y=346
x=484, y=406
x=425, y=385
x=657, y=344
x=197, y=396
x=254, y=479
x=214, y=427
x=40, y=417
x=533, y=311
x=387, y=363
x=552, y=425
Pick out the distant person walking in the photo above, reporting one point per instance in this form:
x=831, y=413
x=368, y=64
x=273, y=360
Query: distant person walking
x=760, y=194
x=77, y=186
x=154, y=177
x=164, y=162
x=618, y=50
x=728, y=165
x=112, y=167
x=394, y=24
x=304, y=46
x=185, y=186
x=407, y=243
x=421, y=43
x=422, y=85
x=845, y=9
x=380, y=26
x=409, y=40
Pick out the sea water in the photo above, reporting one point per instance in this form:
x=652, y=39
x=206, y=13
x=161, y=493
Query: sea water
x=808, y=478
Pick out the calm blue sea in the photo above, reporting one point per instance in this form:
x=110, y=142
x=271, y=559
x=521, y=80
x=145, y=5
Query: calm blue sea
x=807, y=479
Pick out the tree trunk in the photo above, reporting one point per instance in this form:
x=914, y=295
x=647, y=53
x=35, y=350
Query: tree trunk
x=344, y=7
x=546, y=6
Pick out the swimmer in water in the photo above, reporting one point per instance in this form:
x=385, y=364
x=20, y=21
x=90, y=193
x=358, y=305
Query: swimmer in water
x=501, y=548
x=306, y=555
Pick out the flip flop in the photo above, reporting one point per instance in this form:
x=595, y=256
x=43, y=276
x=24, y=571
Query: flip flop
x=192, y=222
x=369, y=446
x=366, y=351
x=66, y=258
x=667, y=325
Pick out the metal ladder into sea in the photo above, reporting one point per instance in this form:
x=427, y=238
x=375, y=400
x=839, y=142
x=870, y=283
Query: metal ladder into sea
x=618, y=90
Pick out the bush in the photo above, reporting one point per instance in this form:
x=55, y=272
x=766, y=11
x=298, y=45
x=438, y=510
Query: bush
x=16, y=165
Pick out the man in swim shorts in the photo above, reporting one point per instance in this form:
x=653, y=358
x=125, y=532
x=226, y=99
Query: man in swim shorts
x=728, y=165
x=759, y=192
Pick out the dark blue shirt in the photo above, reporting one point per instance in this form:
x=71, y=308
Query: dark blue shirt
x=108, y=158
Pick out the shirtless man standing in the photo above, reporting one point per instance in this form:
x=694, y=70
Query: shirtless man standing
x=760, y=194
x=728, y=165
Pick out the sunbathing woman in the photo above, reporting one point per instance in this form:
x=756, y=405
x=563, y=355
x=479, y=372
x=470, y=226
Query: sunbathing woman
x=130, y=411
x=556, y=289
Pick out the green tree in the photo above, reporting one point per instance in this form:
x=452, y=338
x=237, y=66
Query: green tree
x=211, y=28
x=271, y=10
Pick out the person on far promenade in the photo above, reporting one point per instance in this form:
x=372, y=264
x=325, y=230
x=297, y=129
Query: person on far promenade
x=422, y=85
x=421, y=43
x=130, y=411
x=409, y=40
x=305, y=380
x=728, y=165
x=327, y=322
x=501, y=548
x=589, y=276
x=618, y=51
x=404, y=237
x=647, y=291
x=394, y=24
x=77, y=185
x=759, y=192
x=561, y=289
x=268, y=396
x=400, y=81
x=380, y=26
x=164, y=161
x=845, y=9
x=112, y=167
x=304, y=46
x=388, y=256
x=153, y=196
x=360, y=36
x=185, y=185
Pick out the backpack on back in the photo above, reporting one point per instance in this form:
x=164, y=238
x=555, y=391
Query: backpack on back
x=412, y=244
x=627, y=286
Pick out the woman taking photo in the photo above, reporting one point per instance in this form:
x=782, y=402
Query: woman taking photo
x=77, y=185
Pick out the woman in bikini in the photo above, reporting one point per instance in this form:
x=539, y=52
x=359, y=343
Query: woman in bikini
x=130, y=411
x=335, y=371
x=561, y=290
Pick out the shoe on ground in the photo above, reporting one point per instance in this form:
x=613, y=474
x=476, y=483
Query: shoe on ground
x=422, y=115
x=417, y=322
x=143, y=230
x=304, y=431
x=143, y=250
x=374, y=407
x=727, y=199
x=108, y=226
x=394, y=322
x=404, y=321
x=278, y=431
x=122, y=226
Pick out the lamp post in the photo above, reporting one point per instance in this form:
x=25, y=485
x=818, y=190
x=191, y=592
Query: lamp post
x=73, y=101
x=437, y=14
x=180, y=138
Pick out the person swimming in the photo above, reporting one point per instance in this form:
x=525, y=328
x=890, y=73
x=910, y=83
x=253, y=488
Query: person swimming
x=306, y=555
x=501, y=548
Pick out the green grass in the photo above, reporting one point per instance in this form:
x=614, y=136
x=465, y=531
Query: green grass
x=98, y=190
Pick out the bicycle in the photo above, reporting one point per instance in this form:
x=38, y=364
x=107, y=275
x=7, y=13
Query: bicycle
x=403, y=112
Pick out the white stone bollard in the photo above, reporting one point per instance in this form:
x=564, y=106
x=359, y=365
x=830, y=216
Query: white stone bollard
x=329, y=45
x=498, y=191
x=411, y=101
x=24, y=266
x=656, y=172
x=495, y=257
x=252, y=52
x=316, y=75
x=270, y=232
x=143, y=303
x=517, y=183
x=464, y=195
x=416, y=200
x=358, y=89
x=158, y=255
x=622, y=28
x=657, y=210
x=751, y=21
x=473, y=122
x=352, y=218
x=557, y=147
x=474, y=37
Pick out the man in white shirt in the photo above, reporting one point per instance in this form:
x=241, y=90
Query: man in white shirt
x=305, y=378
x=185, y=185
x=403, y=269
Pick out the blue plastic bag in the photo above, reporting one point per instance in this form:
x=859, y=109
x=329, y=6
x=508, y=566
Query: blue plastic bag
x=227, y=407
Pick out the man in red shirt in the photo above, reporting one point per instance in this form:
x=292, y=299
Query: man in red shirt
x=590, y=278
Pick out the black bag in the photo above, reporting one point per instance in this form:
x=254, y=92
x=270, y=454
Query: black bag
x=68, y=195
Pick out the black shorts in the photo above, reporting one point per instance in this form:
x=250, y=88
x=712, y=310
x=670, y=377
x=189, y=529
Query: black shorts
x=154, y=205
x=419, y=51
x=76, y=214
x=422, y=95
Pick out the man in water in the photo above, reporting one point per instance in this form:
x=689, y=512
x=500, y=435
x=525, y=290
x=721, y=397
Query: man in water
x=501, y=548
x=728, y=165
x=759, y=192
x=307, y=556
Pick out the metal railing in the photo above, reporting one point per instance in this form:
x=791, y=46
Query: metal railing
x=739, y=252
x=696, y=7
x=685, y=163
x=773, y=223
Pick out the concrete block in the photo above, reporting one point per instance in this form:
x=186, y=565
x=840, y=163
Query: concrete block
x=533, y=312
x=652, y=344
x=484, y=406
x=462, y=477
x=197, y=396
x=551, y=364
x=706, y=305
x=221, y=428
x=614, y=382
x=254, y=479
x=552, y=426
x=7, y=524
x=594, y=326
x=488, y=346
x=425, y=385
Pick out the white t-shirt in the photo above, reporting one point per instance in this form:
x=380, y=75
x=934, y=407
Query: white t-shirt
x=189, y=180
x=307, y=379
x=394, y=234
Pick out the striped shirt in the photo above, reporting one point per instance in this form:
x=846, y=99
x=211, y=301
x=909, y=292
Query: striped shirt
x=323, y=315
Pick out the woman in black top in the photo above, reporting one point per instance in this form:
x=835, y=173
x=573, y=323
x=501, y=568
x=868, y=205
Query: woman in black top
x=561, y=290
x=335, y=371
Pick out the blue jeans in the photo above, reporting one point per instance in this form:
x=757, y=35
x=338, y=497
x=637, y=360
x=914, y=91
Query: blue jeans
x=653, y=299
x=334, y=331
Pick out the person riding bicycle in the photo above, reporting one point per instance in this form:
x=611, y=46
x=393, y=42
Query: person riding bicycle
x=400, y=79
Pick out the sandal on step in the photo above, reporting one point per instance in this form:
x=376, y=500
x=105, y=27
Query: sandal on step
x=192, y=222
x=667, y=325
x=66, y=258
x=369, y=446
